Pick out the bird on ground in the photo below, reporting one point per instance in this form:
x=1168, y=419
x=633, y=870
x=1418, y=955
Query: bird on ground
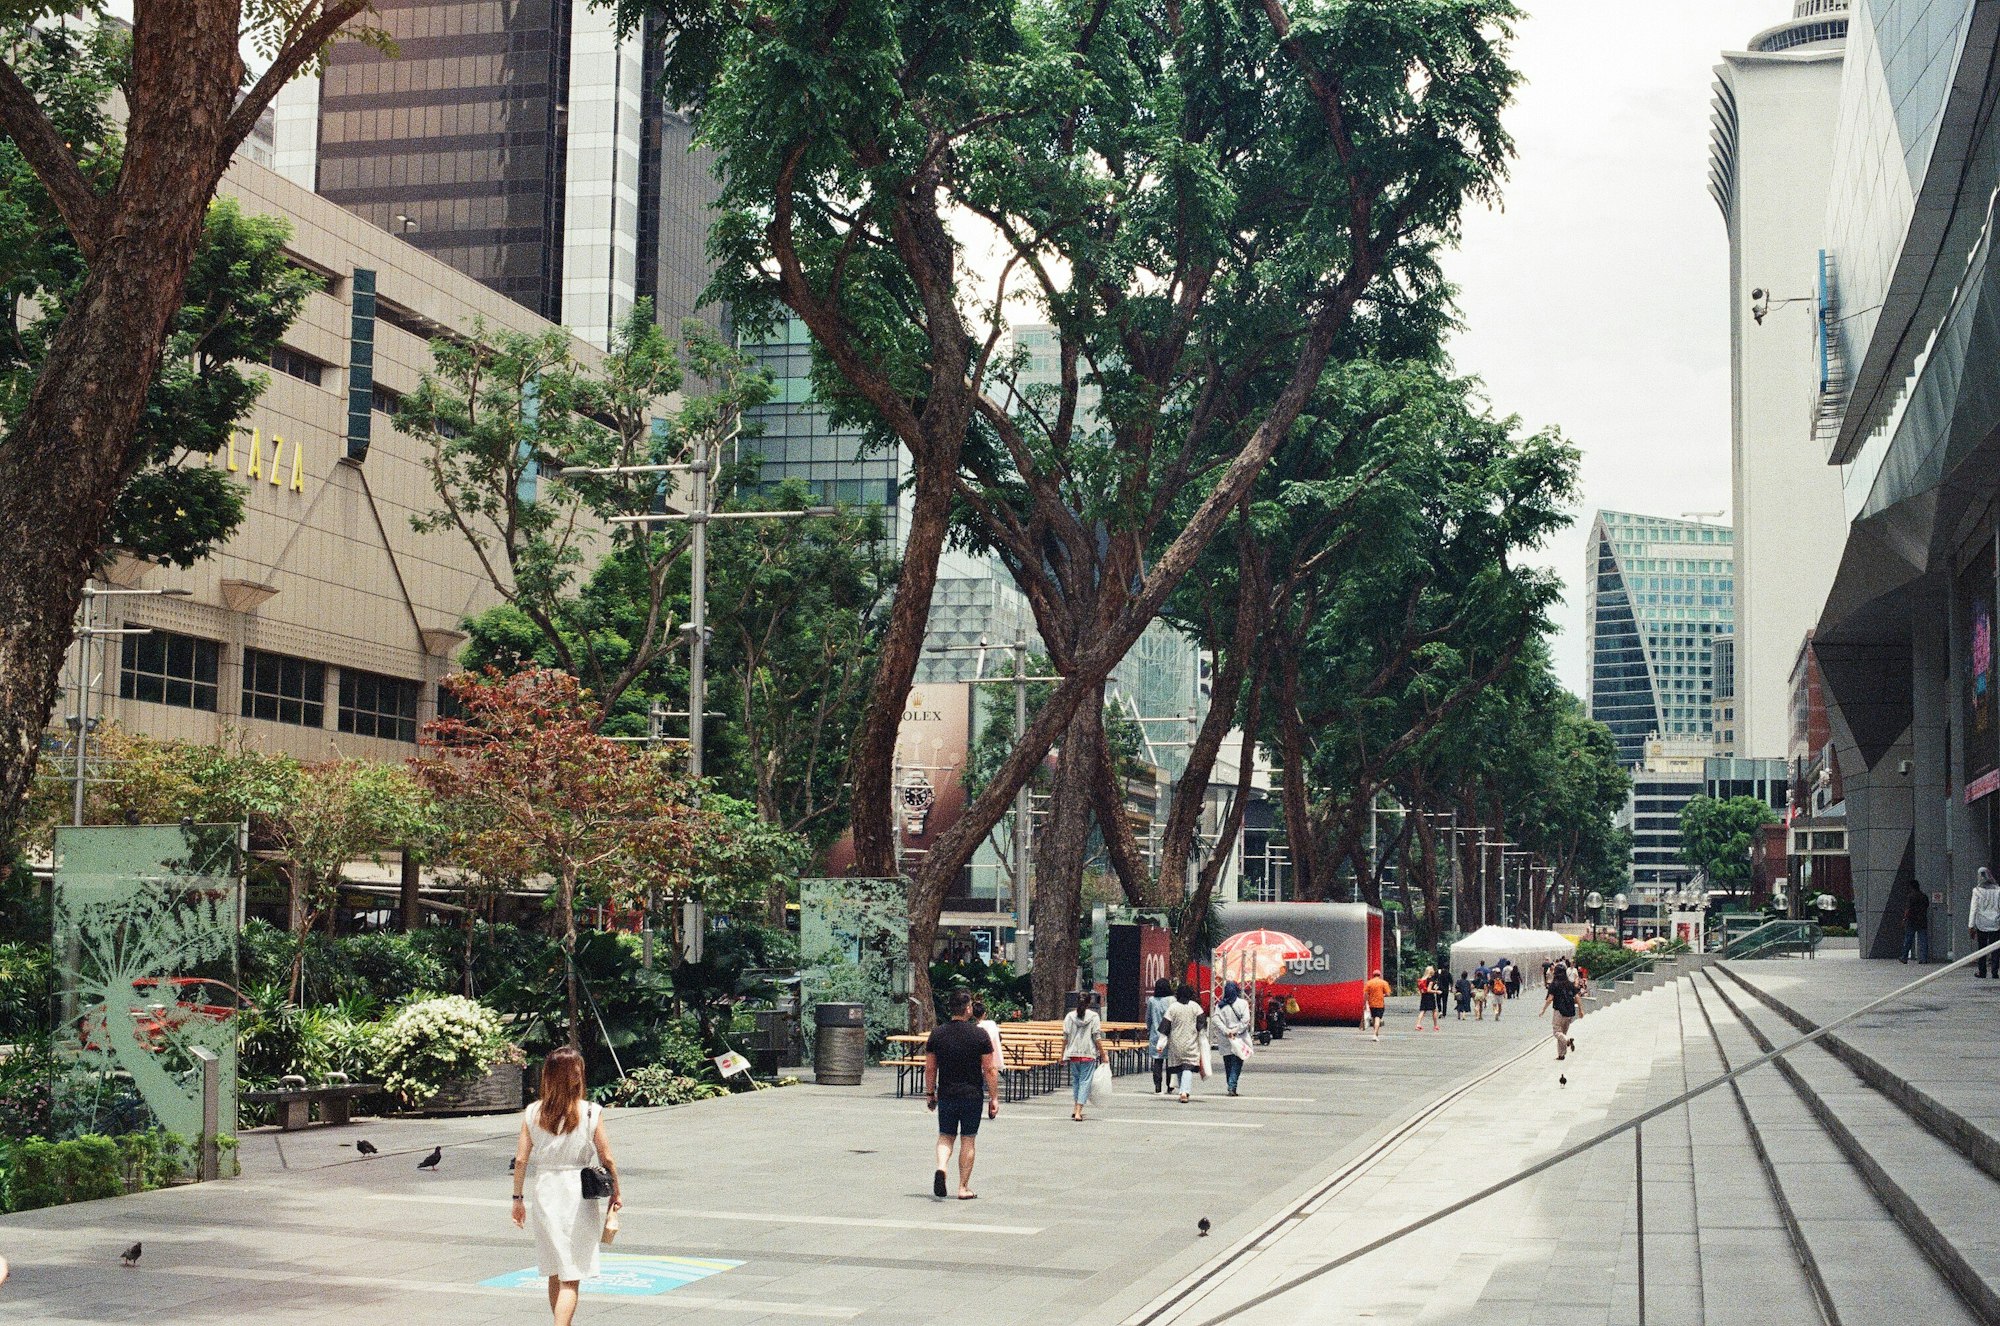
x=1202, y=1226
x=431, y=1161
x=130, y=1257
x=1563, y=1080
x=366, y=1147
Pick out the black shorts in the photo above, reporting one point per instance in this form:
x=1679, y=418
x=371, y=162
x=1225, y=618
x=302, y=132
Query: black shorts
x=959, y=1117
x=1374, y=1014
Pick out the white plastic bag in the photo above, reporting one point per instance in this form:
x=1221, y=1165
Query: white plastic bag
x=1206, y=1063
x=1100, y=1084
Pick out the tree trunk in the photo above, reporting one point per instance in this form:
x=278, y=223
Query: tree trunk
x=412, y=893
x=465, y=971
x=68, y=452
x=1059, y=865
x=1107, y=790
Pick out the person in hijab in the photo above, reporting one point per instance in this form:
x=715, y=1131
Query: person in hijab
x=1231, y=1019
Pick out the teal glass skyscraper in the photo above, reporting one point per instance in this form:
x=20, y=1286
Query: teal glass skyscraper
x=1660, y=592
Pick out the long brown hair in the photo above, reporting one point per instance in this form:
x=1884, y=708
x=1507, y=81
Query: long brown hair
x=562, y=1088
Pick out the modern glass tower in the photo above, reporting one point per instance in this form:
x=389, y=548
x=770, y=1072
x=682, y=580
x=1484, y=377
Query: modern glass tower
x=524, y=144
x=1660, y=592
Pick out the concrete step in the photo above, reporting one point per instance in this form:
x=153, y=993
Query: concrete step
x=1868, y=1265
x=1956, y=1106
x=1940, y=1197
x=1751, y=1273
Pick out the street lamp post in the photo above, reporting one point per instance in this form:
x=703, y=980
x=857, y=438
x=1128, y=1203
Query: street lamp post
x=1619, y=903
x=1595, y=901
x=87, y=632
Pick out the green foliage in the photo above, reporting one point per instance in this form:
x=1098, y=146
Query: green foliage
x=383, y=968
x=36, y=1172
x=502, y=412
x=28, y=1089
x=1008, y=995
x=242, y=295
x=26, y=985
x=1716, y=836
x=1597, y=957
x=656, y=1084
x=430, y=1044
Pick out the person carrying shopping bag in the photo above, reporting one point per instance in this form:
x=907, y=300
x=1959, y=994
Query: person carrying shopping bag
x=1232, y=1023
x=1083, y=1050
x=1183, y=1024
x=1157, y=1005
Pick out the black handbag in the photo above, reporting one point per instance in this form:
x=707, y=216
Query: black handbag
x=596, y=1182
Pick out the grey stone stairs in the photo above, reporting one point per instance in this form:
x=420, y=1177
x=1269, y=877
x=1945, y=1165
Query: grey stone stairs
x=1792, y=1197
x=1924, y=1168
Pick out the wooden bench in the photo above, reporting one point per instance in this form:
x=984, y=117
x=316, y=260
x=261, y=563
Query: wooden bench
x=295, y=1098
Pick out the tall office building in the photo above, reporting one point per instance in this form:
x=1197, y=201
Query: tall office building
x=1771, y=165
x=1659, y=595
x=524, y=144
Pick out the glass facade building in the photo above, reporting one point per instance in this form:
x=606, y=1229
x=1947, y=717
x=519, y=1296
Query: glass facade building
x=1660, y=591
x=520, y=142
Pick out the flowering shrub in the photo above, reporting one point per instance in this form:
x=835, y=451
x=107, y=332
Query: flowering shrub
x=428, y=1044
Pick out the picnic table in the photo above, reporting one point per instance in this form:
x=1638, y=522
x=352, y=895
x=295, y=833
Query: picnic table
x=1032, y=1056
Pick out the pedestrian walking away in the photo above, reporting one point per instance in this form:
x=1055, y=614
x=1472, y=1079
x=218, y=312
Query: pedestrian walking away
x=1917, y=923
x=1375, y=995
x=1513, y=980
x=1562, y=996
x=1083, y=1050
x=557, y=1193
x=1184, y=1023
x=1985, y=919
x=1499, y=993
x=1482, y=986
x=992, y=1030
x=959, y=1077
x=1231, y=1021
x=1157, y=1005
x=1427, y=997
x=1464, y=992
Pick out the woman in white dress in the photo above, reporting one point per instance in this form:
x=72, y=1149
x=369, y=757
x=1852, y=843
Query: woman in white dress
x=561, y=1134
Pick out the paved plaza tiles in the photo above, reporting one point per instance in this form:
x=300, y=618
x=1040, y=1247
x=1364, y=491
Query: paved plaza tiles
x=811, y=1203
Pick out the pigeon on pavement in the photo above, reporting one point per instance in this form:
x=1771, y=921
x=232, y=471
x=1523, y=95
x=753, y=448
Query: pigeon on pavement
x=130, y=1256
x=366, y=1147
x=1202, y=1226
x=431, y=1161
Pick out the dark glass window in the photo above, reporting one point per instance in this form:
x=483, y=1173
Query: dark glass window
x=168, y=668
x=284, y=689
x=303, y=367
x=372, y=705
x=448, y=705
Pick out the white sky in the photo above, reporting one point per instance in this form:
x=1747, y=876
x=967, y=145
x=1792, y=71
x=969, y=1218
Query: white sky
x=1594, y=298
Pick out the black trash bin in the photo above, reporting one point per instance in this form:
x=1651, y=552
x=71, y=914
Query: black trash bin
x=840, y=1045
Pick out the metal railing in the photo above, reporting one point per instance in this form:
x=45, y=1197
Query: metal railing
x=1634, y=1125
x=1776, y=939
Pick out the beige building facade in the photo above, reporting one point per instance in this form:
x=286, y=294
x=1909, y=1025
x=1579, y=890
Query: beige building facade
x=323, y=625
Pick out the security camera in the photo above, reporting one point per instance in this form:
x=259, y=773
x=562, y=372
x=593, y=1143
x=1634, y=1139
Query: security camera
x=1760, y=304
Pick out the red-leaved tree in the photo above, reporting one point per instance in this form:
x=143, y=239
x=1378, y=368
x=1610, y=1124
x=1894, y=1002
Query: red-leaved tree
x=528, y=790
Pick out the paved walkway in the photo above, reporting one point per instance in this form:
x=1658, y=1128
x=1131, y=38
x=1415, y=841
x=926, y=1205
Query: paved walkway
x=1556, y=1248
x=803, y=1204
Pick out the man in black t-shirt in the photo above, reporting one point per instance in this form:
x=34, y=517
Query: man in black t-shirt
x=959, y=1076
x=1562, y=994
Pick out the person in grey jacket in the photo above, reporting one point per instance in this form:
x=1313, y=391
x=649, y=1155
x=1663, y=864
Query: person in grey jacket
x=1156, y=1011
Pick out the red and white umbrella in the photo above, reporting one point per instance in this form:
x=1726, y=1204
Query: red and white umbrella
x=1258, y=955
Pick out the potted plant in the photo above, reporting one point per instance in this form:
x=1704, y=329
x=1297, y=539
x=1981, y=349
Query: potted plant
x=448, y=1055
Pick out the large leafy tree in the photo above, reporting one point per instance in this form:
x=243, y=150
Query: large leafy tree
x=503, y=412
x=136, y=216
x=1717, y=834
x=1200, y=199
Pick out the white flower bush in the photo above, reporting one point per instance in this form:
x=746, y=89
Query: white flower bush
x=428, y=1044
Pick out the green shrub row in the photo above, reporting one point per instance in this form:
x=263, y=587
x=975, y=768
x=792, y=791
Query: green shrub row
x=37, y=1172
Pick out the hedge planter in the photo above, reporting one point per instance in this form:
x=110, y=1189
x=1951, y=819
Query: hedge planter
x=498, y=1091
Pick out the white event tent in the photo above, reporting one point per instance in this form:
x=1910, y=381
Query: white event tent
x=1526, y=948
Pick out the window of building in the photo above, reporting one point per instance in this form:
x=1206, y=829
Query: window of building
x=301, y=366
x=284, y=689
x=168, y=668
x=372, y=705
x=385, y=400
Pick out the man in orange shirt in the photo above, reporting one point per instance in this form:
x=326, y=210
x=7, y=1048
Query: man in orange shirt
x=1376, y=993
